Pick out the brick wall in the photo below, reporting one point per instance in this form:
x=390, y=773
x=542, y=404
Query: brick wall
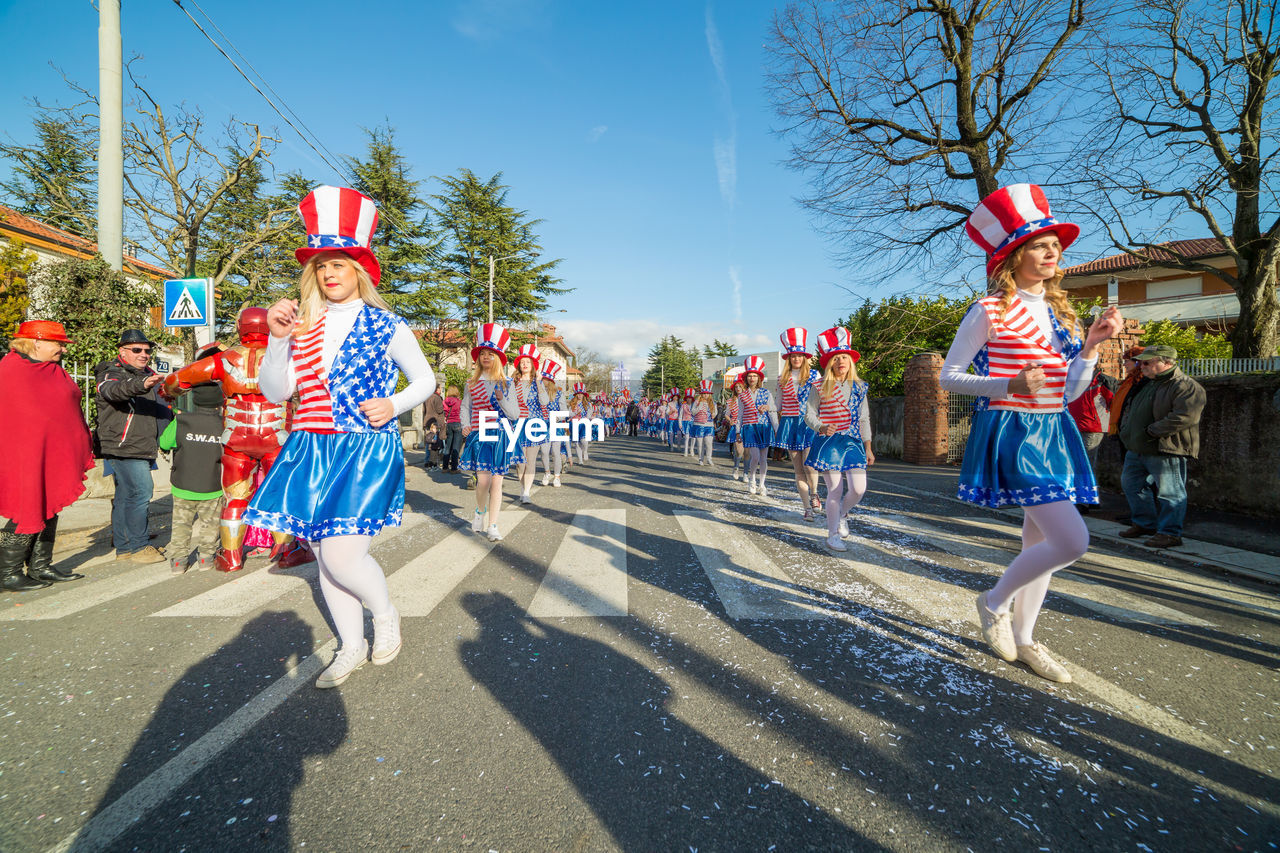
x=924, y=416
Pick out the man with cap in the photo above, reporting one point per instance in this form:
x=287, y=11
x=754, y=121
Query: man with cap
x=1160, y=429
x=130, y=420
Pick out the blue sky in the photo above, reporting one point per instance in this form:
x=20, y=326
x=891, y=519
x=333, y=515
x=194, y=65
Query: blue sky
x=640, y=132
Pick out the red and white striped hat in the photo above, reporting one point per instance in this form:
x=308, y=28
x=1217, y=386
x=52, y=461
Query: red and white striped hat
x=529, y=351
x=833, y=342
x=579, y=388
x=551, y=370
x=339, y=219
x=492, y=337
x=753, y=364
x=688, y=393
x=705, y=386
x=1011, y=216
x=795, y=340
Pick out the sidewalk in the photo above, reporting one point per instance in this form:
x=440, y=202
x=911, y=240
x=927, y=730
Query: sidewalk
x=1238, y=544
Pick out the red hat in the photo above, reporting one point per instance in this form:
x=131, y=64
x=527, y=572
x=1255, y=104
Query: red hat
x=339, y=219
x=834, y=342
x=579, y=388
x=753, y=364
x=42, y=330
x=550, y=369
x=494, y=338
x=704, y=387
x=795, y=340
x=1011, y=216
x=528, y=351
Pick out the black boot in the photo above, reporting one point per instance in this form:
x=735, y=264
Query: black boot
x=41, y=565
x=14, y=548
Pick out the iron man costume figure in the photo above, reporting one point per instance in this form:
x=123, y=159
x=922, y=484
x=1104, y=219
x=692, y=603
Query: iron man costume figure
x=254, y=432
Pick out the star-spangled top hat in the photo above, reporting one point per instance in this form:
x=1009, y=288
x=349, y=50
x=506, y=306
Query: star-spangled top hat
x=339, y=219
x=492, y=337
x=753, y=364
x=795, y=340
x=688, y=393
x=529, y=351
x=833, y=342
x=550, y=369
x=1011, y=216
x=579, y=388
x=704, y=387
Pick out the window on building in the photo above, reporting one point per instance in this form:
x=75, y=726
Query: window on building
x=1173, y=288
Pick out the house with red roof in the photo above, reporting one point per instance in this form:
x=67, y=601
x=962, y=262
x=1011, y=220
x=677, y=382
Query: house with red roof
x=1151, y=288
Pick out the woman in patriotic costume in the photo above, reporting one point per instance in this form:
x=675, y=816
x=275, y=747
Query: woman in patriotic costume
x=794, y=434
x=489, y=457
x=733, y=381
x=579, y=412
x=340, y=476
x=838, y=413
x=757, y=421
x=552, y=450
x=527, y=394
x=702, y=419
x=1024, y=345
x=686, y=420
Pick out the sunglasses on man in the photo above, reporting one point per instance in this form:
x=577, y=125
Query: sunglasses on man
x=147, y=350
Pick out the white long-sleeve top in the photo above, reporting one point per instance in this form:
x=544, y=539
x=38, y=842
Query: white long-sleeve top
x=972, y=336
x=813, y=408
x=277, y=378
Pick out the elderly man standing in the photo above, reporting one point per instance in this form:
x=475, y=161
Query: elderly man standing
x=130, y=420
x=1160, y=429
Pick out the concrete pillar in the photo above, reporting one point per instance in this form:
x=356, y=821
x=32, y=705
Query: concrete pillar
x=924, y=417
x=110, y=136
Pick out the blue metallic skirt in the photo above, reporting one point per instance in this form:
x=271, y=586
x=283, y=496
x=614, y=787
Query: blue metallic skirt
x=840, y=451
x=733, y=435
x=332, y=484
x=756, y=435
x=1025, y=458
x=491, y=456
x=793, y=433
x=701, y=430
x=522, y=426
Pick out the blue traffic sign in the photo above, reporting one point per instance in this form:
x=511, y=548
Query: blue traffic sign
x=188, y=302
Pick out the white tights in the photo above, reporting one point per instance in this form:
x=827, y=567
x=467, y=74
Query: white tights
x=844, y=491
x=351, y=580
x=702, y=447
x=1053, y=537
x=581, y=448
x=550, y=453
x=758, y=462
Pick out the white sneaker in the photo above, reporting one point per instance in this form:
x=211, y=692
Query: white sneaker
x=844, y=528
x=751, y=487
x=556, y=481
x=764, y=493
x=525, y=498
x=546, y=479
x=737, y=475
x=494, y=535
x=386, y=637
x=477, y=521
x=346, y=661
x=834, y=543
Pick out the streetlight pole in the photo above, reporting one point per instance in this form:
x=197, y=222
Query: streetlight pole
x=492, y=262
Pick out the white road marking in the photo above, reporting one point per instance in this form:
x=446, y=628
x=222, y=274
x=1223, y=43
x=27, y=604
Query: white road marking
x=422, y=583
x=748, y=582
x=588, y=575
x=247, y=592
x=66, y=602
x=123, y=814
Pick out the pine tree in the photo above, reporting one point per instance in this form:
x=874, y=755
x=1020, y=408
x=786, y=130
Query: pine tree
x=54, y=180
x=719, y=349
x=671, y=366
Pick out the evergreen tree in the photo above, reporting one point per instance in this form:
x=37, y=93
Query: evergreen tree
x=479, y=224
x=719, y=349
x=16, y=264
x=670, y=366
x=54, y=180
x=405, y=243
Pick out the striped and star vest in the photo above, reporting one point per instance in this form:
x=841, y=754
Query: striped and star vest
x=752, y=413
x=362, y=370
x=842, y=409
x=481, y=398
x=1017, y=341
x=790, y=401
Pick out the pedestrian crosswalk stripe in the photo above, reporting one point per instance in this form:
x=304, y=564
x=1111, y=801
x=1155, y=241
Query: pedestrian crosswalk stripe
x=1084, y=593
x=71, y=601
x=748, y=582
x=422, y=583
x=588, y=575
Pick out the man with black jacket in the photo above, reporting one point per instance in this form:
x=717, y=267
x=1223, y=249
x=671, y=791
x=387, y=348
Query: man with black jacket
x=130, y=420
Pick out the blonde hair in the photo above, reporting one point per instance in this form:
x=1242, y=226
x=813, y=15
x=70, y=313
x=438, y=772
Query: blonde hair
x=550, y=385
x=786, y=367
x=499, y=371
x=1003, y=284
x=312, y=299
x=829, y=381
x=451, y=391
x=26, y=346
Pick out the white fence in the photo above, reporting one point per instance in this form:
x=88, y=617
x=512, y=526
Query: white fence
x=83, y=375
x=1227, y=366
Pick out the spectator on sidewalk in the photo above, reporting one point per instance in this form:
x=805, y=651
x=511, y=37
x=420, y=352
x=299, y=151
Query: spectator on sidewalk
x=195, y=479
x=1084, y=411
x=453, y=430
x=45, y=450
x=130, y=420
x=433, y=444
x=1132, y=377
x=432, y=413
x=1160, y=429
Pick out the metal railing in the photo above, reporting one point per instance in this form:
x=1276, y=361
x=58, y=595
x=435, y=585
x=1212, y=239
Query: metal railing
x=82, y=373
x=959, y=418
x=1227, y=366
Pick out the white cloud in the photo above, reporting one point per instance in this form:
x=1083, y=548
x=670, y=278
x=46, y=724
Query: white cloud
x=597, y=132
x=629, y=341
x=483, y=20
x=725, y=148
x=737, y=294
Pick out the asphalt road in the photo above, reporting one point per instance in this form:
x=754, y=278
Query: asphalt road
x=650, y=660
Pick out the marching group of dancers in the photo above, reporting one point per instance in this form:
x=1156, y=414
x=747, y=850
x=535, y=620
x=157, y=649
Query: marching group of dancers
x=340, y=477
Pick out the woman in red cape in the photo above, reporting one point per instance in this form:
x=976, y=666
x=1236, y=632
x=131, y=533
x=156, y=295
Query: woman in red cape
x=45, y=450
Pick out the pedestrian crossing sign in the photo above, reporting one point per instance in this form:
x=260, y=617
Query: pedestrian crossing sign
x=188, y=302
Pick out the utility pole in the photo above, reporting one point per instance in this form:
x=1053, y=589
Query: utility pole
x=110, y=136
x=490, y=289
